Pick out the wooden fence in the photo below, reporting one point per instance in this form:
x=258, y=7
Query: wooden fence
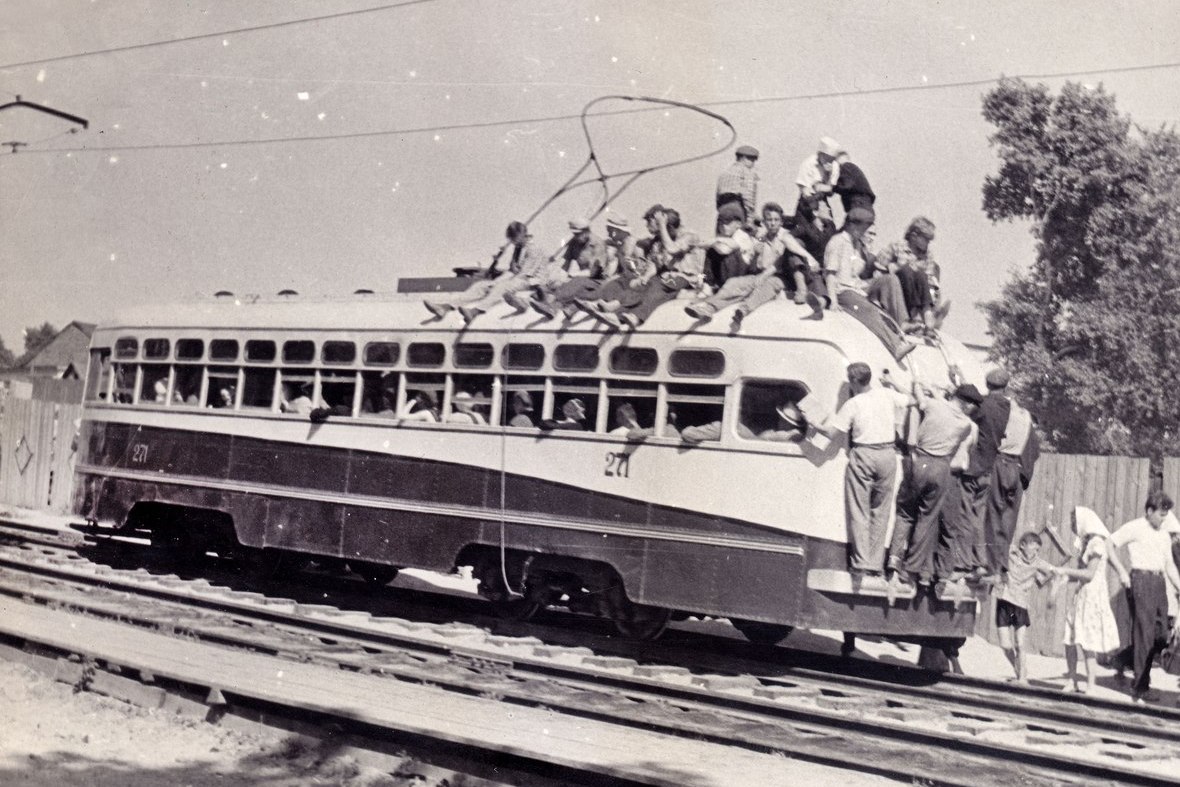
x=37, y=452
x=1115, y=488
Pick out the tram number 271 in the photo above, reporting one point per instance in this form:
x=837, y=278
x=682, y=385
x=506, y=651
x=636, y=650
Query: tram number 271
x=618, y=465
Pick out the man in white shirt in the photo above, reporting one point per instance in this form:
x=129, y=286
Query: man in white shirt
x=1149, y=553
x=869, y=418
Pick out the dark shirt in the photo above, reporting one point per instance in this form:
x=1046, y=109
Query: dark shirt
x=992, y=420
x=853, y=187
x=814, y=239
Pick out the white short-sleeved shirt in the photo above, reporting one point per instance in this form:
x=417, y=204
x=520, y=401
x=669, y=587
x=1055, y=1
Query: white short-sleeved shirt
x=870, y=418
x=1148, y=549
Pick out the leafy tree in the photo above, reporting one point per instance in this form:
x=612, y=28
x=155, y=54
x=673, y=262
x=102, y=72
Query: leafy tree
x=37, y=337
x=7, y=359
x=1091, y=331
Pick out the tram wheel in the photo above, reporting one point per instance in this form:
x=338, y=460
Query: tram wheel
x=525, y=607
x=762, y=633
x=642, y=622
x=376, y=575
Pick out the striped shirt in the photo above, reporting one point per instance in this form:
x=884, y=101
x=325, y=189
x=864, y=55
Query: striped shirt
x=743, y=181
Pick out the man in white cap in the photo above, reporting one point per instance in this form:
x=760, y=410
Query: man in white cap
x=738, y=184
x=818, y=173
x=620, y=260
x=583, y=255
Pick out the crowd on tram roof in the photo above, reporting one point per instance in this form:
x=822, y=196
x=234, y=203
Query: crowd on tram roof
x=752, y=258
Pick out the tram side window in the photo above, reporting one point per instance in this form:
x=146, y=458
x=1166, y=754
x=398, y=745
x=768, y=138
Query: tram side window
x=523, y=397
x=124, y=392
x=584, y=389
x=632, y=408
x=298, y=394
x=337, y=390
x=471, y=399
x=258, y=387
x=223, y=387
x=380, y=394
x=769, y=411
x=153, y=386
x=424, y=392
x=98, y=379
x=696, y=410
x=186, y=384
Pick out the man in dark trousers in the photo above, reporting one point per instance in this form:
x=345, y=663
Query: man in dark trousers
x=852, y=185
x=1016, y=457
x=991, y=420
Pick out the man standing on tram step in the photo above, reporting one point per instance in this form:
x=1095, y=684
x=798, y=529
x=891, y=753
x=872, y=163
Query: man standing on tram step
x=529, y=268
x=991, y=419
x=945, y=425
x=738, y=184
x=869, y=418
x=1016, y=457
x=1149, y=551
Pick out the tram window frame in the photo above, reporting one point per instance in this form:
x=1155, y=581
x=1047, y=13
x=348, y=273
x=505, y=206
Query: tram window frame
x=149, y=375
x=220, y=350
x=291, y=385
x=98, y=375
x=126, y=348
x=685, y=399
x=758, y=418
x=338, y=352
x=258, y=388
x=216, y=378
x=435, y=382
x=338, y=391
x=535, y=387
x=185, y=349
x=482, y=389
x=683, y=355
x=529, y=351
x=375, y=348
x=379, y=393
x=156, y=349
x=570, y=357
x=562, y=388
x=261, y=351
x=183, y=376
x=619, y=392
x=621, y=352
x=299, y=352
x=124, y=383
x=426, y=355
x=473, y=355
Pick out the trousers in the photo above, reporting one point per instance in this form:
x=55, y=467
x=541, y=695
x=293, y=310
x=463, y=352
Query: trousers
x=919, y=505
x=868, y=497
x=1003, y=508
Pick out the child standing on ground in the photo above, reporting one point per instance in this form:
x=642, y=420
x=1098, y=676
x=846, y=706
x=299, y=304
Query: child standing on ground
x=1025, y=568
x=1090, y=627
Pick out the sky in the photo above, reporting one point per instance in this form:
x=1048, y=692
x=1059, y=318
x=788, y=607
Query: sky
x=396, y=140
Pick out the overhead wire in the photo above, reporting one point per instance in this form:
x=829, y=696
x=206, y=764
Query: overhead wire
x=411, y=130
x=219, y=34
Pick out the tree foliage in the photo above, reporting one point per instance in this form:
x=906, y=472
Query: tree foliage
x=38, y=336
x=1091, y=331
x=7, y=359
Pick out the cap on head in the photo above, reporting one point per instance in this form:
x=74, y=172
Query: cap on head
x=997, y=378
x=922, y=226
x=462, y=401
x=579, y=225
x=574, y=409
x=730, y=211
x=619, y=224
x=747, y=151
x=860, y=215
x=524, y=399
x=829, y=147
x=969, y=393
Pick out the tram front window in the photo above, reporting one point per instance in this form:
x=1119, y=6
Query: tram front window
x=769, y=410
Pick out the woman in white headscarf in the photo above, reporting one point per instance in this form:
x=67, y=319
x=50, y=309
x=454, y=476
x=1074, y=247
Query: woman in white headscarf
x=1090, y=627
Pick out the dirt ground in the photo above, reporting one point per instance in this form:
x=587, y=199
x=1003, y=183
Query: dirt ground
x=52, y=736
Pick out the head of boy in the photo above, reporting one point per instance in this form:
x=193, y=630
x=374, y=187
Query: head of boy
x=1030, y=546
x=772, y=217
x=1156, y=508
x=859, y=376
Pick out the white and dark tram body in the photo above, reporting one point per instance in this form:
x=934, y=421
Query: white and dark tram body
x=183, y=433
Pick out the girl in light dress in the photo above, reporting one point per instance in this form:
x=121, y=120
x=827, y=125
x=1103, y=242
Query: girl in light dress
x=1090, y=627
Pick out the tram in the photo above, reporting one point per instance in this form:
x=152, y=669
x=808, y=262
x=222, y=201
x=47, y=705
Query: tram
x=189, y=433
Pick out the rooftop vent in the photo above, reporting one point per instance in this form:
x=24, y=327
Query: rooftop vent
x=223, y=294
x=362, y=291
x=287, y=293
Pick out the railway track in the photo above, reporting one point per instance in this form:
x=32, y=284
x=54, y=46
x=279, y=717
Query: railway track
x=891, y=722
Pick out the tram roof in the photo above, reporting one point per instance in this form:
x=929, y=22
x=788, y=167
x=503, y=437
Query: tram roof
x=397, y=312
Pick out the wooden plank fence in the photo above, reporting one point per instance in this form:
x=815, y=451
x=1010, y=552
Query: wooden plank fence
x=1115, y=488
x=37, y=453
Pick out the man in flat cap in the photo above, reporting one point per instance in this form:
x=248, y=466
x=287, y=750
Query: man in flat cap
x=731, y=253
x=945, y=425
x=1016, y=456
x=583, y=255
x=818, y=174
x=738, y=184
x=991, y=420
